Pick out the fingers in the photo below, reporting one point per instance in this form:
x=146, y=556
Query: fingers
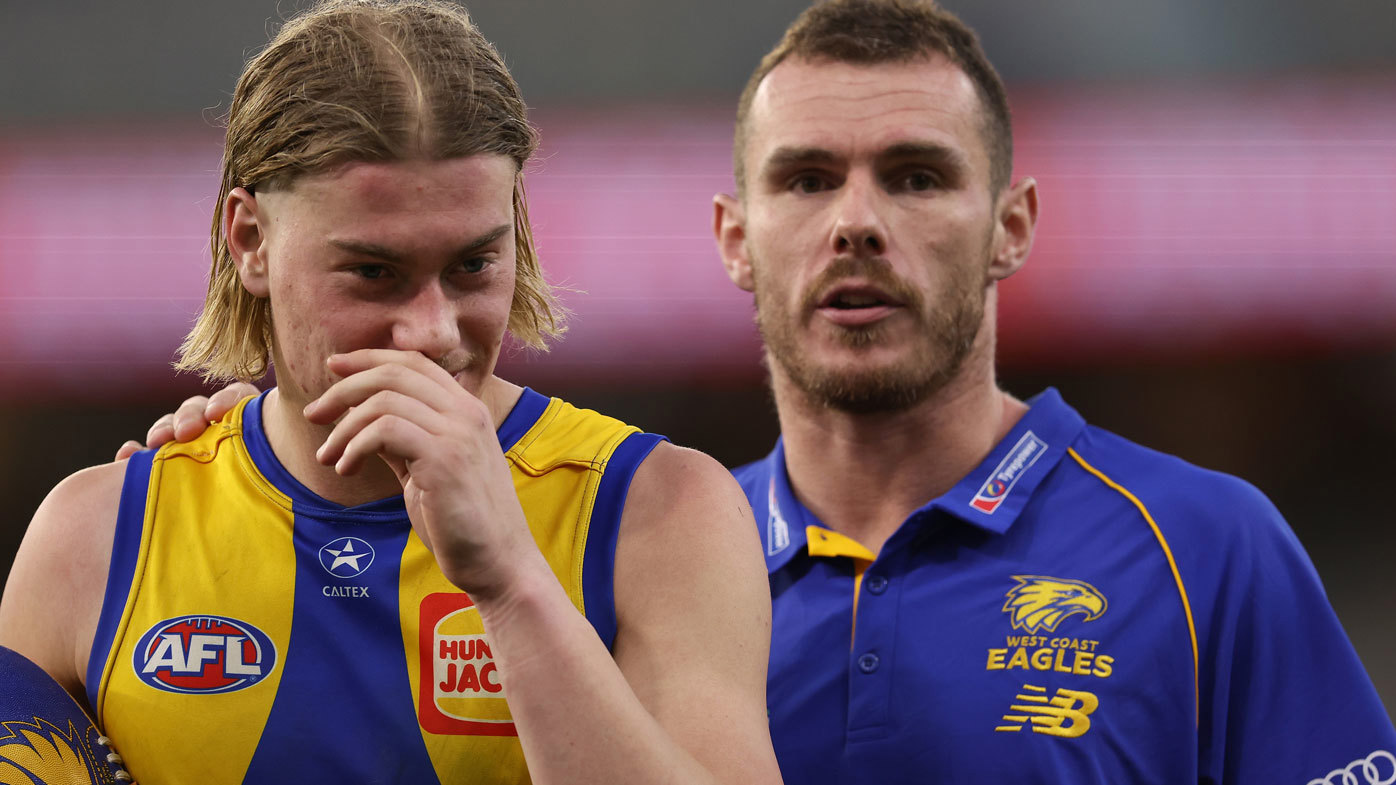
x=161, y=431
x=223, y=401
x=190, y=419
x=370, y=371
x=346, y=450
x=187, y=422
x=364, y=359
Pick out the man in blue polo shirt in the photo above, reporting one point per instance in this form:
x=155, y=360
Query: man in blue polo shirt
x=968, y=587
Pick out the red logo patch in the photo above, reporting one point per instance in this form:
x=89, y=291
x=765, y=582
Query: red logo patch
x=460, y=692
x=203, y=654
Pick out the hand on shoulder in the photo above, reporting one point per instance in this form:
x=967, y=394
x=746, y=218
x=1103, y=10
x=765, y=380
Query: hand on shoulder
x=190, y=419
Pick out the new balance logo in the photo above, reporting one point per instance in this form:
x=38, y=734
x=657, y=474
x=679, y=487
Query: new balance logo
x=1065, y=714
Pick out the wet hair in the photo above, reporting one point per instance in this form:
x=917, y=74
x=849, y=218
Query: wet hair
x=359, y=81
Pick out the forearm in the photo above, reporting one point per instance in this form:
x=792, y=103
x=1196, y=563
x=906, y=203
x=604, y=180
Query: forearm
x=578, y=719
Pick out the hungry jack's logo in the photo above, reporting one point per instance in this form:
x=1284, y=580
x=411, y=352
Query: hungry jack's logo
x=460, y=693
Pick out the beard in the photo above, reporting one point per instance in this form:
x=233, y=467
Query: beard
x=943, y=335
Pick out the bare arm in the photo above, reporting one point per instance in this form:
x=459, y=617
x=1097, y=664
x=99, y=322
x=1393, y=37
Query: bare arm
x=689, y=583
x=688, y=572
x=54, y=593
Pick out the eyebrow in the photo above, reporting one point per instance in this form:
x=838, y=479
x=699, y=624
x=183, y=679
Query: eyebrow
x=926, y=151
x=389, y=255
x=789, y=157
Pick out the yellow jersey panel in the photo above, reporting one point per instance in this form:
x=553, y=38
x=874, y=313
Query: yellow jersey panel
x=255, y=632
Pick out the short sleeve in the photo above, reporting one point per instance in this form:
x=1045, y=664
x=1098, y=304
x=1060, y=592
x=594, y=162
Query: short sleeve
x=1284, y=697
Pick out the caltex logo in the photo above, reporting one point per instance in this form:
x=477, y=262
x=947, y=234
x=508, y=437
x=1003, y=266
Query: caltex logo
x=346, y=557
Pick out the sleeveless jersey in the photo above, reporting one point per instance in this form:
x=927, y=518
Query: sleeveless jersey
x=253, y=631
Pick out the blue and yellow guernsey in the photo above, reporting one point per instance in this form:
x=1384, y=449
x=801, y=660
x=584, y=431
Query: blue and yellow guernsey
x=255, y=632
x=1078, y=609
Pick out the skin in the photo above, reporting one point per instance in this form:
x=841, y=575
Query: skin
x=392, y=284
x=896, y=206
x=868, y=185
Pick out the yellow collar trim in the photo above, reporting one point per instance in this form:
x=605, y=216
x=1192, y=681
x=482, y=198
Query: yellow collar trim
x=825, y=542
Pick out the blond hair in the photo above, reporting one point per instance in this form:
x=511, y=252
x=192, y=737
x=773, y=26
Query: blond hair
x=363, y=80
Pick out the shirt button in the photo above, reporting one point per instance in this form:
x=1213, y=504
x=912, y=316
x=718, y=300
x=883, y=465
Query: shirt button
x=877, y=584
x=868, y=662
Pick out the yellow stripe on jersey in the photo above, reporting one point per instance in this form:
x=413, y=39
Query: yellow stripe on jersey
x=1172, y=565
x=217, y=538
x=557, y=467
x=187, y=566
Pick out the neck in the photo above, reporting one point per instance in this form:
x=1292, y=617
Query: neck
x=294, y=440
x=863, y=474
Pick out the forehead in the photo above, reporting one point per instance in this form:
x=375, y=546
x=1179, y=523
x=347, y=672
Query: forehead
x=854, y=109
x=404, y=197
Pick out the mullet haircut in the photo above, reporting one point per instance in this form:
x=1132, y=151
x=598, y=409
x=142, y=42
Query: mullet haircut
x=363, y=80
x=874, y=32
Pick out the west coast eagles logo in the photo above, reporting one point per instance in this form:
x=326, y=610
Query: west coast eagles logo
x=42, y=752
x=1040, y=602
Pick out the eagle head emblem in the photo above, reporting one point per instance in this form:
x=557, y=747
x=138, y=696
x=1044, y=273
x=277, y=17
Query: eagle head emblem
x=1040, y=602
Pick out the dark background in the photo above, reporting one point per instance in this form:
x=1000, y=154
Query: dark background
x=1309, y=420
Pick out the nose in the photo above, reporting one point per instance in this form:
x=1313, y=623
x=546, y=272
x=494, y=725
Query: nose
x=426, y=323
x=858, y=227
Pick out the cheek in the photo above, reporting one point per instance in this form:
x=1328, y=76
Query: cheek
x=490, y=309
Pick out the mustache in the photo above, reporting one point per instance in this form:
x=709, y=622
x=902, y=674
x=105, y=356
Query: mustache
x=874, y=270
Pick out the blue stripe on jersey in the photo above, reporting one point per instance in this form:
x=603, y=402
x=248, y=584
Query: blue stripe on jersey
x=599, y=561
x=525, y=413
x=130, y=522
x=362, y=732
x=322, y=729
x=302, y=498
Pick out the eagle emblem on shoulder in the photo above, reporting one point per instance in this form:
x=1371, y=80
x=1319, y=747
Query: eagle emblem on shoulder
x=1040, y=602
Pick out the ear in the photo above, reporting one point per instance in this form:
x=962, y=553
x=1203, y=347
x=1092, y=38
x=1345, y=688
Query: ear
x=729, y=229
x=244, y=230
x=1015, y=222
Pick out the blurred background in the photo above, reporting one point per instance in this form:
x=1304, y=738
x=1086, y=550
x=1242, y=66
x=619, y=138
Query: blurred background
x=1214, y=274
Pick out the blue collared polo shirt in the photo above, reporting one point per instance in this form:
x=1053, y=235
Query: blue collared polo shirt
x=1078, y=609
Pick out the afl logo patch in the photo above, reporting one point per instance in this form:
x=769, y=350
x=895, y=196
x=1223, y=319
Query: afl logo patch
x=203, y=654
x=346, y=557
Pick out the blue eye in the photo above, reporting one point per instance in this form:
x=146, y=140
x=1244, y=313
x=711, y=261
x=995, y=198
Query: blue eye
x=476, y=265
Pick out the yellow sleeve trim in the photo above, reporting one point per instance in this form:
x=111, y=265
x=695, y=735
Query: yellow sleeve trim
x=1172, y=565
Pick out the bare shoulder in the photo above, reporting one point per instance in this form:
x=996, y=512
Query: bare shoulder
x=689, y=572
x=676, y=486
x=683, y=506
x=54, y=593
